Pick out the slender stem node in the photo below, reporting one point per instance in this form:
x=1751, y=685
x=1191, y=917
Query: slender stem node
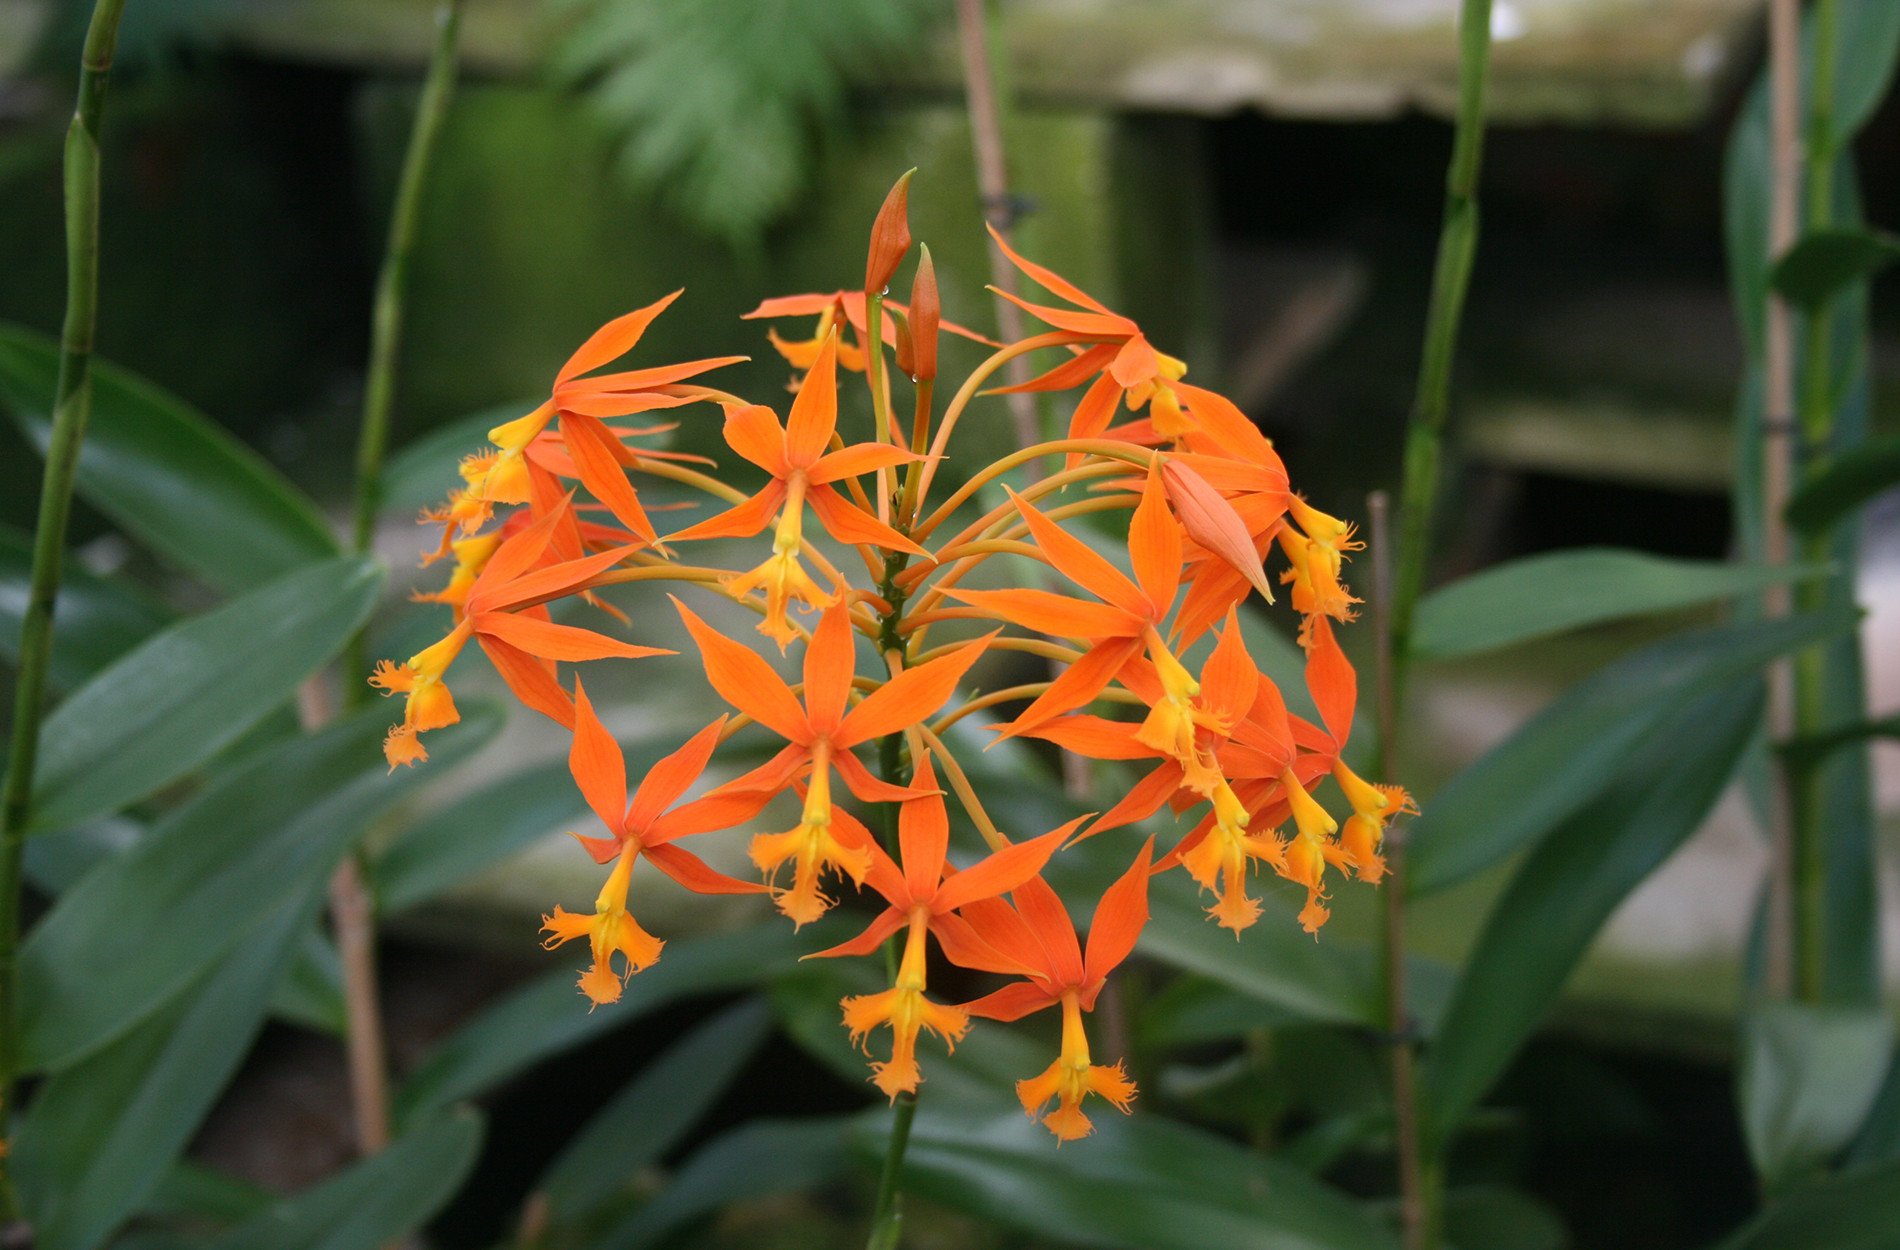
x=72, y=408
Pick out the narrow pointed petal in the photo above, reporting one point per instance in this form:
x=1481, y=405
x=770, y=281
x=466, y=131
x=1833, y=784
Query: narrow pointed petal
x=708, y=814
x=1093, y=325
x=557, y=642
x=857, y=460
x=830, y=662
x=599, y=769
x=848, y=523
x=1048, y=919
x=1154, y=546
x=815, y=409
x=910, y=696
x=1010, y=1003
x=1120, y=917
x=1048, y=279
x=1077, y=684
x=690, y=871
x=754, y=432
x=1079, y=562
x=670, y=776
x=613, y=340
x=556, y=580
x=742, y=520
x=746, y=681
x=593, y=447
x=1059, y=616
x=923, y=833
x=529, y=680
x=887, y=922
x=1330, y=679
x=1002, y=871
x=1070, y=373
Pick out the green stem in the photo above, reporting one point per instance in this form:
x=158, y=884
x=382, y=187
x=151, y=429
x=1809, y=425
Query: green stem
x=72, y=407
x=887, y=1224
x=1421, y=1147
x=1457, y=247
x=392, y=286
x=352, y=908
x=1816, y=414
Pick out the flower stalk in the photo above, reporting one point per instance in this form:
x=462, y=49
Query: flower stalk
x=72, y=409
x=1451, y=278
x=1421, y=1177
x=352, y=909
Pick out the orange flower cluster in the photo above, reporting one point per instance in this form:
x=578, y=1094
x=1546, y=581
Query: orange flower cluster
x=1207, y=504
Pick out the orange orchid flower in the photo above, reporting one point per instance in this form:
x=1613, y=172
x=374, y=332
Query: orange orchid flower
x=1116, y=630
x=1120, y=359
x=501, y=612
x=498, y=476
x=644, y=827
x=802, y=473
x=835, y=310
x=821, y=734
x=922, y=901
x=1038, y=934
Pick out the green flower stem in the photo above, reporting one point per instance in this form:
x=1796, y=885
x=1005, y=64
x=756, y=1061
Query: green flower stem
x=1421, y=1168
x=392, y=287
x=887, y=1224
x=1816, y=414
x=352, y=907
x=72, y=407
x=1457, y=248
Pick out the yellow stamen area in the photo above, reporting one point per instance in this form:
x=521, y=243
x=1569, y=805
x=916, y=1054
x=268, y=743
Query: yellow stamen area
x=1219, y=861
x=429, y=705
x=803, y=353
x=1070, y=1079
x=608, y=931
x=1314, y=573
x=1327, y=532
x=1171, y=723
x=1306, y=857
x=1165, y=412
x=812, y=848
x=905, y=1009
x=501, y=476
x=471, y=557
x=781, y=576
x=1373, y=806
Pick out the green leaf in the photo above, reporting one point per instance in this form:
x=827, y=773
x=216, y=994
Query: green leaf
x=191, y=690
x=1807, y=1077
x=651, y=1115
x=1855, y=1211
x=755, y=1160
x=1491, y=1217
x=549, y=1015
x=1140, y=1182
x=98, y=619
x=478, y=831
x=1549, y=594
x=195, y=1192
x=172, y=479
x=1575, y=747
x=101, y=1134
x=375, y=1202
x=311, y=993
x=146, y=923
x=1823, y=262
x=421, y=474
x=1570, y=884
x=1848, y=481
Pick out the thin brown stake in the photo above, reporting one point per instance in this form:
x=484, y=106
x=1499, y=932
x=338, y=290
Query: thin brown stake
x=1777, y=452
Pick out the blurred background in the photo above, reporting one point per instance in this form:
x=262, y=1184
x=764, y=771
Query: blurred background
x=1258, y=182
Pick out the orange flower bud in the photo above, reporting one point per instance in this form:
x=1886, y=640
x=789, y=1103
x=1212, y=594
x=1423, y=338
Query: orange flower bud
x=890, y=237
x=926, y=308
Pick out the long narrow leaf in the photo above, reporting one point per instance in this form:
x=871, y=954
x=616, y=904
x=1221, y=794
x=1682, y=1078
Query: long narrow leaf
x=193, y=689
x=1565, y=890
x=1575, y=748
x=172, y=479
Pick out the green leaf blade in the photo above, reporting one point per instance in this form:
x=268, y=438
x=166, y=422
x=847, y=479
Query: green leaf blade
x=191, y=690
x=171, y=478
x=1566, y=590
